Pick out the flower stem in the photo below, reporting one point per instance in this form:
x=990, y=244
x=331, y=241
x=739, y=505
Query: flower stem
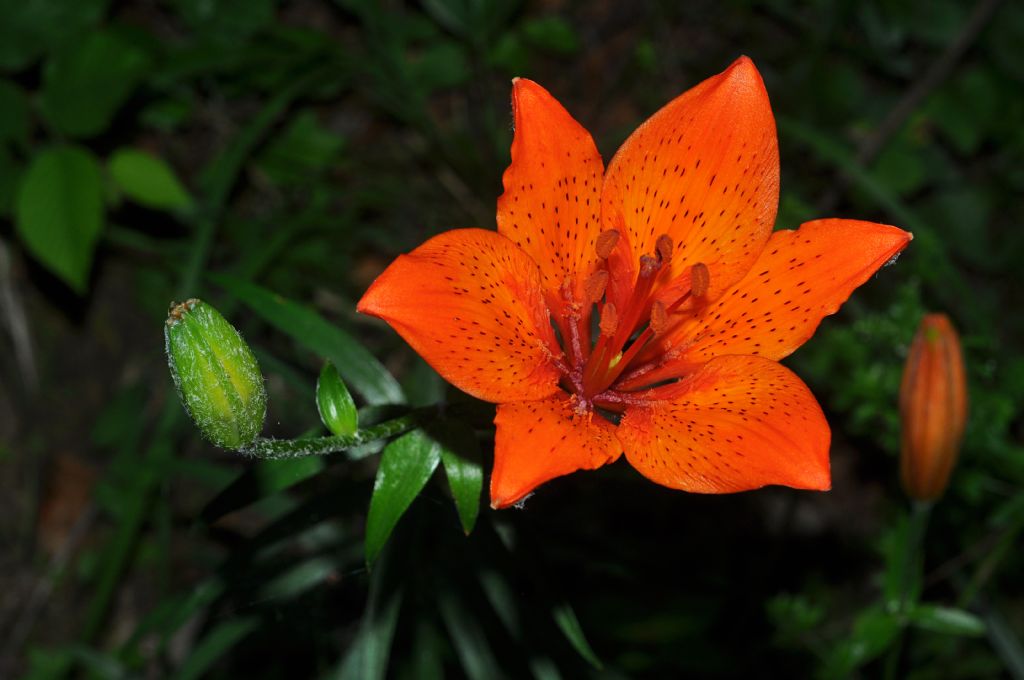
x=283, y=449
x=911, y=566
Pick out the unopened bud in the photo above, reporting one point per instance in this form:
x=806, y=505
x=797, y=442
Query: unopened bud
x=217, y=376
x=333, y=401
x=933, y=408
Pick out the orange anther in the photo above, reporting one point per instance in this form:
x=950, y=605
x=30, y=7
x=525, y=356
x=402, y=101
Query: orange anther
x=594, y=288
x=609, y=320
x=700, y=279
x=606, y=242
x=663, y=246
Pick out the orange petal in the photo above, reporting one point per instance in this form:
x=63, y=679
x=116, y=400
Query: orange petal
x=738, y=423
x=539, y=440
x=704, y=170
x=471, y=304
x=801, y=277
x=551, y=205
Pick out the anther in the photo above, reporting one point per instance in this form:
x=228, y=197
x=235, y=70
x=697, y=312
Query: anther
x=609, y=320
x=594, y=288
x=606, y=242
x=659, y=317
x=700, y=279
x=649, y=266
x=663, y=246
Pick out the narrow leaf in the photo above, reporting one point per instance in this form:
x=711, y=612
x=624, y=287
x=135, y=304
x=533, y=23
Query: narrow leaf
x=468, y=638
x=214, y=645
x=570, y=626
x=948, y=620
x=405, y=467
x=355, y=364
x=460, y=454
x=148, y=180
x=367, y=658
x=59, y=212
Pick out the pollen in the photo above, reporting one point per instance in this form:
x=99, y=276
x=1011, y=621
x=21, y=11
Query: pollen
x=606, y=242
x=700, y=280
x=595, y=286
x=609, y=320
x=663, y=247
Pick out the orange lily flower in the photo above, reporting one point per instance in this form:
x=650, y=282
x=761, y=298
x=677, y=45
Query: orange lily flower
x=639, y=309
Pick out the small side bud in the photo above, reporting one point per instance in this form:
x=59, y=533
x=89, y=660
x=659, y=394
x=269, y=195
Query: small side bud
x=333, y=401
x=216, y=374
x=933, y=408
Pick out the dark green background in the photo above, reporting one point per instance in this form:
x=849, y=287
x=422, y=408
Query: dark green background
x=300, y=145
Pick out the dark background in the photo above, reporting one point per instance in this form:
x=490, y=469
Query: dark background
x=300, y=145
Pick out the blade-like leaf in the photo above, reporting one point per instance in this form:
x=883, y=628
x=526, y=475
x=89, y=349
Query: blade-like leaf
x=405, y=467
x=948, y=620
x=367, y=657
x=357, y=366
x=59, y=212
x=567, y=622
x=214, y=645
x=468, y=638
x=460, y=454
x=259, y=481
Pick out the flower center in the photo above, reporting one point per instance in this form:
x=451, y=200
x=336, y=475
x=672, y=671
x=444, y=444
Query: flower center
x=631, y=317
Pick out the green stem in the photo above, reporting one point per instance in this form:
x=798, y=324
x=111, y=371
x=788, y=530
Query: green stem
x=282, y=449
x=911, y=568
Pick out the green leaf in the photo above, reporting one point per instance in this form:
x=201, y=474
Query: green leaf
x=551, y=34
x=468, y=638
x=85, y=85
x=567, y=622
x=367, y=657
x=357, y=366
x=14, y=114
x=148, y=180
x=405, y=467
x=460, y=454
x=214, y=645
x=263, y=479
x=30, y=28
x=873, y=632
x=59, y=212
x=949, y=620
x=304, y=149
x=10, y=178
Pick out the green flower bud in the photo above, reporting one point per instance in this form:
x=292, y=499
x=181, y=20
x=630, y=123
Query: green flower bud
x=334, y=402
x=217, y=376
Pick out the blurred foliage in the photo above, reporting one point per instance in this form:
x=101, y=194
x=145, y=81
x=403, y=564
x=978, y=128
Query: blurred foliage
x=278, y=154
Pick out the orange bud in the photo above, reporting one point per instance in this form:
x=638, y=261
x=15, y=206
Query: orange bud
x=933, y=408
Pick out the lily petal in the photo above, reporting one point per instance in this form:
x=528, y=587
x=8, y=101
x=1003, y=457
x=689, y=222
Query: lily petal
x=705, y=171
x=471, y=304
x=801, y=277
x=551, y=205
x=739, y=423
x=537, y=441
